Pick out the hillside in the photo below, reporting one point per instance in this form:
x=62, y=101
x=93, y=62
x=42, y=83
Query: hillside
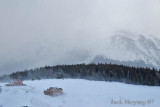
x=100, y=72
x=130, y=49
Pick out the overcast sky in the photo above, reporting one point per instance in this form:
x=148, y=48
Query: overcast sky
x=35, y=33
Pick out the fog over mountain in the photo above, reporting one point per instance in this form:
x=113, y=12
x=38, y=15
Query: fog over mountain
x=50, y=32
x=130, y=49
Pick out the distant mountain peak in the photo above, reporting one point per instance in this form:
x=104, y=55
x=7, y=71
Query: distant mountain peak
x=125, y=47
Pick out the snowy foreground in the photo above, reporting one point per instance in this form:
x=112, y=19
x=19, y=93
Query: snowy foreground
x=80, y=93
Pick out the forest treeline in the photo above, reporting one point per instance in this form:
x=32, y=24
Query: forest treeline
x=100, y=72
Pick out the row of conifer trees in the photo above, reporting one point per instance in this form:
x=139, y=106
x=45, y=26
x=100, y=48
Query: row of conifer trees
x=100, y=72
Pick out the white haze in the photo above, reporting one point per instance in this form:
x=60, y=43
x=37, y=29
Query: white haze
x=35, y=33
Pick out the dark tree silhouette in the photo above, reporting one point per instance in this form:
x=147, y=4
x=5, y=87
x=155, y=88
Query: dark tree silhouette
x=101, y=72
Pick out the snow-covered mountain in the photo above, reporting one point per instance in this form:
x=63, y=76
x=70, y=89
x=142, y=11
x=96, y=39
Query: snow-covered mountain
x=130, y=49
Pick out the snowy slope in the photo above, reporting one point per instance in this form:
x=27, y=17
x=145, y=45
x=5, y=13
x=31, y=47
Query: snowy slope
x=130, y=49
x=79, y=93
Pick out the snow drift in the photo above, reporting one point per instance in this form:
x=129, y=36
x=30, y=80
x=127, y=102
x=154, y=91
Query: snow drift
x=80, y=93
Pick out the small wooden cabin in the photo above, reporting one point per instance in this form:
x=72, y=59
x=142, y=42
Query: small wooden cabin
x=16, y=82
x=53, y=91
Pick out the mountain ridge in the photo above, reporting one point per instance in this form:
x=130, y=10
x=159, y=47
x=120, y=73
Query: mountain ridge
x=130, y=49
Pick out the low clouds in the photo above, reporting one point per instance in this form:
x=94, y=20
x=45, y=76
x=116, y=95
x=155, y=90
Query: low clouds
x=37, y=33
